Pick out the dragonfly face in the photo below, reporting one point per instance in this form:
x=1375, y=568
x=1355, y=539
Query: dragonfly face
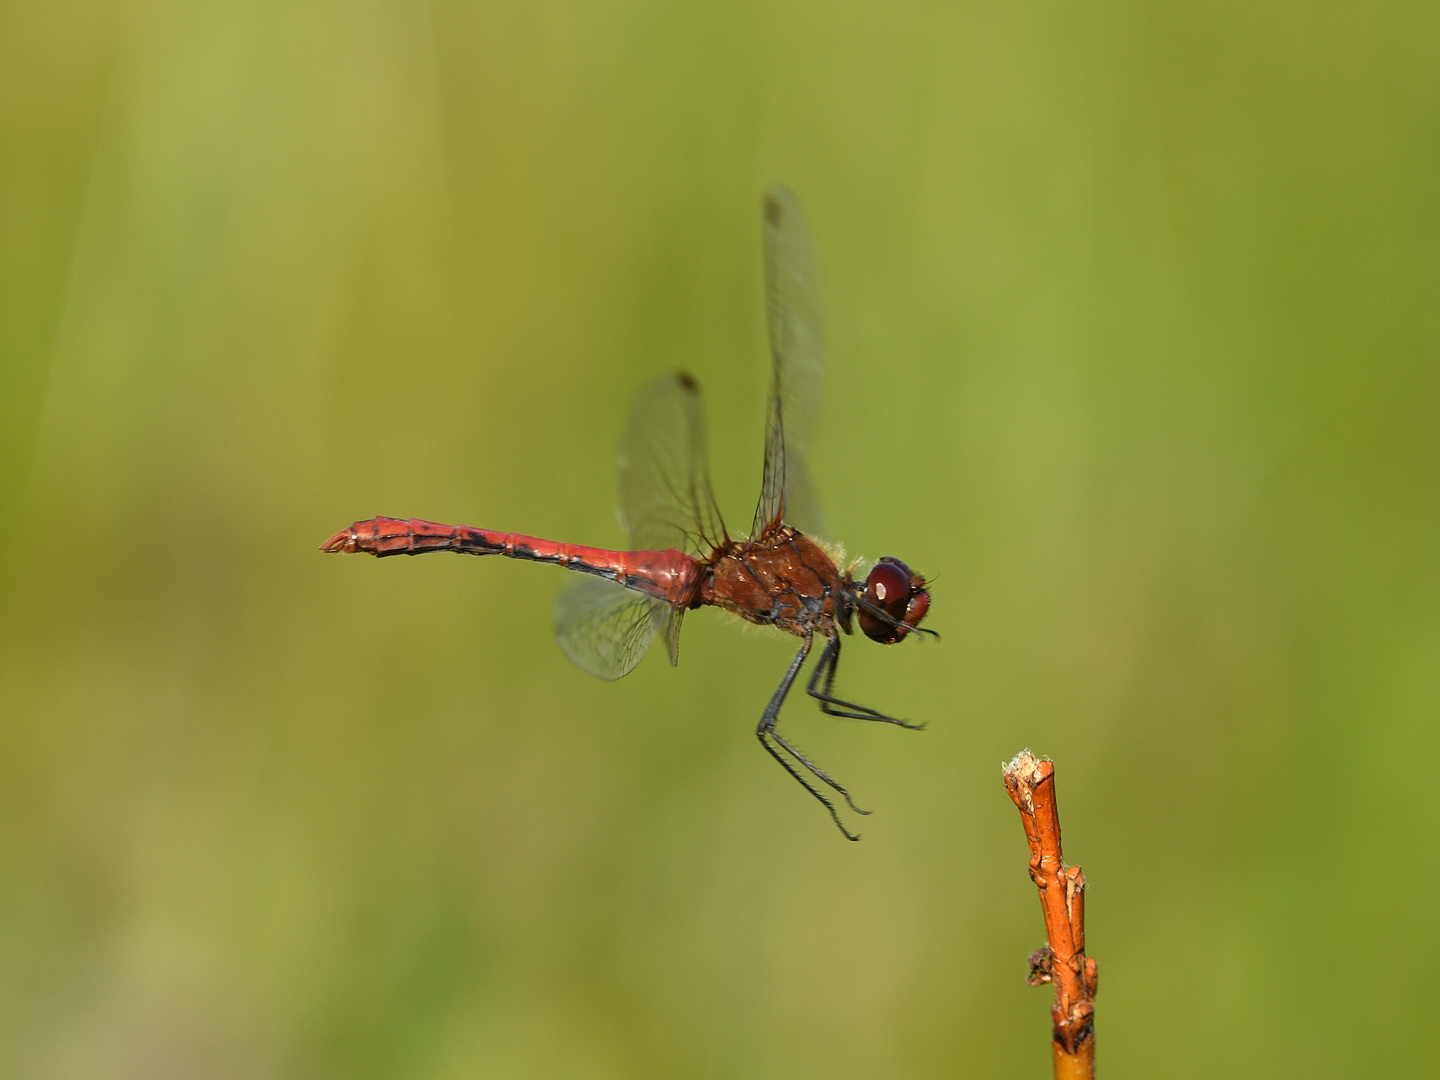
x=893, y=603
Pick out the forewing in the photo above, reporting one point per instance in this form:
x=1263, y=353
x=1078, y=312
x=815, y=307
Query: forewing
x=665, y=495
x=606, y=628
x=797, y=367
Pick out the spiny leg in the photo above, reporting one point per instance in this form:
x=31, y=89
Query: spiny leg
x=817, y=771
x=814, y=769
x=833, y=706
x=829, y=806
x=765, y=732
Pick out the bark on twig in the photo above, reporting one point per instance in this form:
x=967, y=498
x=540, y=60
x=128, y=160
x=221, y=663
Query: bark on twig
x=1031, y=784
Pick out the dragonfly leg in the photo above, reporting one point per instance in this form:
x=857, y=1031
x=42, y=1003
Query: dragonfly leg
x=771, y=739
x=822, y=682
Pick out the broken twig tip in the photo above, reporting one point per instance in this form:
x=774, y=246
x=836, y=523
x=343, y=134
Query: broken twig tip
x=1029, y=781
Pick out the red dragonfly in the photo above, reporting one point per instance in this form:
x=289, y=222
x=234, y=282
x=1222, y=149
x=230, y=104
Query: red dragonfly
x=681, y=555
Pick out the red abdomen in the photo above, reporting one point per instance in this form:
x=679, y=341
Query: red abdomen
x=669, y=574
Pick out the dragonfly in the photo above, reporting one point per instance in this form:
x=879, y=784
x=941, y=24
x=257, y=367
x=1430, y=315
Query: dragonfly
x=681, y=556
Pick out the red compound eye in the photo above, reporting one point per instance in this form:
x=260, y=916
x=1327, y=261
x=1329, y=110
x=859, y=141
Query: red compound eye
x=893, y=589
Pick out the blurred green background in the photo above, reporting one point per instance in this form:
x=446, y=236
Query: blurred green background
x=1134, y=344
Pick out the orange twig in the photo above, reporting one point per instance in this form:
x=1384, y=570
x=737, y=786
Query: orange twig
x=1031, y=784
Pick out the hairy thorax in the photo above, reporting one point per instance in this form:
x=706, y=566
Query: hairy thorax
x=783, y=580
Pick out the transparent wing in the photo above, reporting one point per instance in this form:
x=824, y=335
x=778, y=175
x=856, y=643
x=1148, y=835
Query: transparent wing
x=606, y=628
x=665, y=495
x=797, y=367
x=665, y=502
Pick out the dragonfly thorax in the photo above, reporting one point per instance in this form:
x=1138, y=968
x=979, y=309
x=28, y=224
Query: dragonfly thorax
x=781, y=578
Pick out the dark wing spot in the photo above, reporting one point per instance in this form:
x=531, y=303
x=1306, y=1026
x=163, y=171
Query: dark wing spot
x=687, y=381
x=773, y=211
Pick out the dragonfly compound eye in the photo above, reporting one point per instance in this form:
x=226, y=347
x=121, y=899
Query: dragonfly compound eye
x=900, y=594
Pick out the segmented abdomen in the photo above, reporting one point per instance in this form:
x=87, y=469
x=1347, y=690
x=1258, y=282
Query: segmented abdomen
x=669, y=574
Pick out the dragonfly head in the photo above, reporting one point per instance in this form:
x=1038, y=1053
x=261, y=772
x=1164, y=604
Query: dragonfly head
x=893, y=602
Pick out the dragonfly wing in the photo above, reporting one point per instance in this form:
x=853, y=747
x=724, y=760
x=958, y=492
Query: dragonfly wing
x=665, y=495
x=797, y=357
x=672, y=634
x=605, y=628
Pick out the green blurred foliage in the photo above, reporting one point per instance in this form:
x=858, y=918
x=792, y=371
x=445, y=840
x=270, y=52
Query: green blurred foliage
x=1134, y=342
